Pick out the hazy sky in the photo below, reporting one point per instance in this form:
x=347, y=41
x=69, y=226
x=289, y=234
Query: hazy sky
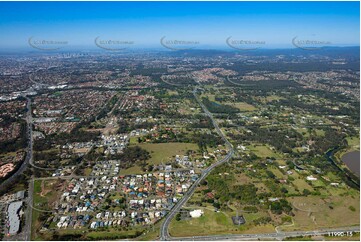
x=209, y=23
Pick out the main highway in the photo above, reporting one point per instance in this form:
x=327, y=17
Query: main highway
x=29, y=149
x=164, y=233
x=336, y=232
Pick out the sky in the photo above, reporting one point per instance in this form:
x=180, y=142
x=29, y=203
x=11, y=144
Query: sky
x=209, y=24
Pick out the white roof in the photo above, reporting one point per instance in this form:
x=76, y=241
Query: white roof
x=196, y=213
x=14, y=220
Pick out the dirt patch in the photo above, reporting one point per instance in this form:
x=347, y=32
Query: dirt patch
x=50, y=190
x=44, y=191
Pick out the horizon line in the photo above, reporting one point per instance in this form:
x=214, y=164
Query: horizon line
x=29, y=49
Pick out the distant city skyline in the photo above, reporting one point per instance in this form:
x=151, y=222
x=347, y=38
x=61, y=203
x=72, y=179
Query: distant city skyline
x=203, y=24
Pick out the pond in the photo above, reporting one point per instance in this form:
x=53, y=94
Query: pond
x=352, y=161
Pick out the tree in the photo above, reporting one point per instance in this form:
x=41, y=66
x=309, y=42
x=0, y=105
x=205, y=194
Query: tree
x=306, y=192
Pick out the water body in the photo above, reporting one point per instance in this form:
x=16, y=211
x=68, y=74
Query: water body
x=352, y=161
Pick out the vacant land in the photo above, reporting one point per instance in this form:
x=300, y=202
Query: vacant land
x=263, y=151
x=44, y=196
x=214, y=223
x=242, y=106
x=314, y=212
x=161, y=153
x=84, y=234
x=164, y=152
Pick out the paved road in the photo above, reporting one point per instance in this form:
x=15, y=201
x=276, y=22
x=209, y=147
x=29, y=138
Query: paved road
x=164, y=233
x=29, y=149
x=29, y=211
x=280, y=235
x=234, y=83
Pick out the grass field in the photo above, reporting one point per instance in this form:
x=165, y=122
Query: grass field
x=161, y=152
x=314, y=212
x=131, y=171
x=172, y=93
x=263, y=151
x=277, y=172
x=242, y=106
x=211, y=97
x=45, y=194
x=85, y=234
x=133, y=140
x=214, y=223
x=152, y=233
x=164, y=152
x=306, y=134
x=301, y=184
x=353, y=142
x=242, y=178
x=320, y=132
x=111, y=233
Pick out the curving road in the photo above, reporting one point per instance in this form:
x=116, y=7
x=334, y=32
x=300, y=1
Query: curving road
x=29, y=149
x=164, y=233
x=281, y=235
